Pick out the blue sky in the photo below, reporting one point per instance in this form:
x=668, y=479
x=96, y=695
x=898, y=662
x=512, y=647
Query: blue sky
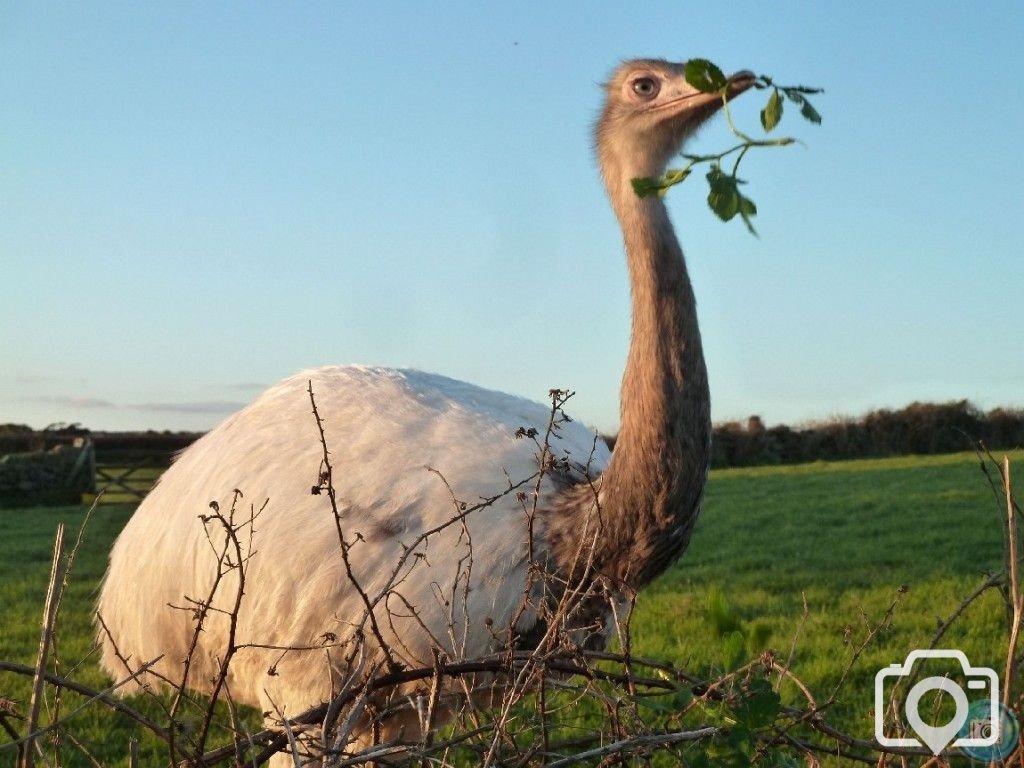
x=198, y=199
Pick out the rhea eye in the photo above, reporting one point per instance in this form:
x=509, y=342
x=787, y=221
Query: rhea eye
x=646, y=87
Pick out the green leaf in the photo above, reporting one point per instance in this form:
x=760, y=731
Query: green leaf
x=748, y=209
x=760, y=705
x=810, y=113
x=724, y=197
x=645, y=187
x=704, y=76
x=724, y=202
x=805, y=89
x=793, y=95
x=772, y=112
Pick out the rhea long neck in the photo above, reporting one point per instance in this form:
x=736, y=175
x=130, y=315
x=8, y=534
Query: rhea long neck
x=653, y=485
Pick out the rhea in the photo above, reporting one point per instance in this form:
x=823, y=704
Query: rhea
x=403, y=444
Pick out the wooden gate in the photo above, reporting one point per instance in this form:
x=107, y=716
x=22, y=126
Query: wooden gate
x=128, y=474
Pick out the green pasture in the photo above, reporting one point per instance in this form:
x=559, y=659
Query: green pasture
x=849, y=537
x=852, y=537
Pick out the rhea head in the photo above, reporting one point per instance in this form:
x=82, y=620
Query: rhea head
x=649, y=112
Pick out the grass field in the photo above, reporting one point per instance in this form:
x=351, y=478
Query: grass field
x=847, y=536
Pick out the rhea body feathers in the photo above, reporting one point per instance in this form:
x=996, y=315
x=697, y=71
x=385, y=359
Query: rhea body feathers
x=386, y=430
x=385, y=427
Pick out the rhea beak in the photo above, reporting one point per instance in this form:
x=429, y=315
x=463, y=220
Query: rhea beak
x=740, y=82
x=701, y=105
x=706, y=103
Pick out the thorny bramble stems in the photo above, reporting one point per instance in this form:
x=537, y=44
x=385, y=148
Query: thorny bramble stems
x=759, y=713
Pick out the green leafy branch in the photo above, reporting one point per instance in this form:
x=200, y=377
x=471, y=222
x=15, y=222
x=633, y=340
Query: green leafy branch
x=724, y=195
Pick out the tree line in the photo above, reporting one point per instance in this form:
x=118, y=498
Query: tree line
x=919, y=428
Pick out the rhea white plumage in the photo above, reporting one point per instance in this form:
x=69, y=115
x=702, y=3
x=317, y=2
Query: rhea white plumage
x=386, y=430
x=632, y=512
